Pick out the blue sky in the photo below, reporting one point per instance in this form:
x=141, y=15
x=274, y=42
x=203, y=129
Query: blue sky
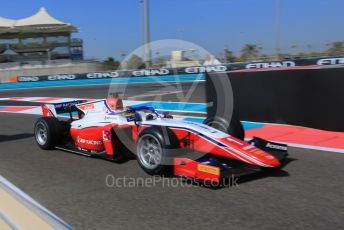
x=109, y=27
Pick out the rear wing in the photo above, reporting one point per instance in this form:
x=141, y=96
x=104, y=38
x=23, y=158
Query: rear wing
x=67, y=108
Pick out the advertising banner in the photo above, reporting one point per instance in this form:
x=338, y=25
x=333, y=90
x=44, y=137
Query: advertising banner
x=253, y=66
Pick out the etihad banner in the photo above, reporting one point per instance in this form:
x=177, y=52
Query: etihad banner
x=253, y=66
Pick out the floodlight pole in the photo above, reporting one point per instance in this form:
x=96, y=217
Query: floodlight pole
x=148, y=52
x=278, y=28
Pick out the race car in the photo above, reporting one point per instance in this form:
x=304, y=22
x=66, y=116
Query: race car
x=161, y=143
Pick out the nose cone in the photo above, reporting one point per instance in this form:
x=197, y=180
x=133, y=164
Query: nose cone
x=265, y=159
x=269, y=160
x=250, y=153
x=273, y=162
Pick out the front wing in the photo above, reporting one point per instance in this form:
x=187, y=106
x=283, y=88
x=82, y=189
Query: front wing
x=215, y=169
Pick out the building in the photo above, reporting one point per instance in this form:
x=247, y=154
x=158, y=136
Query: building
x=179, y=59
x=39, y=39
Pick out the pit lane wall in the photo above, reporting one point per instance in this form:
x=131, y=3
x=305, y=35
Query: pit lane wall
x=298, y=63
x=310, y=96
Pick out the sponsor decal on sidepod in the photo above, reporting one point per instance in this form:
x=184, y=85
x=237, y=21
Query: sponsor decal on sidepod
x=88, y=142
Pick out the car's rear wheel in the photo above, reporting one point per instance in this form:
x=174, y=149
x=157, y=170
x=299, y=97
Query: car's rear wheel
x=233, y=128
x=47, y=132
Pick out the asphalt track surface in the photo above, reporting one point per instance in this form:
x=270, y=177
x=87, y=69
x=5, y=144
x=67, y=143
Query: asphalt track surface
x=308, y=193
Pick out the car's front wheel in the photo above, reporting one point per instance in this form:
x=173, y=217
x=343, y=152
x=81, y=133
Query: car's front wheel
x=155, y=151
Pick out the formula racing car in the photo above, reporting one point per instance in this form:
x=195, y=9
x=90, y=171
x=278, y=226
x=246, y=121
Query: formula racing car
x=162, y=144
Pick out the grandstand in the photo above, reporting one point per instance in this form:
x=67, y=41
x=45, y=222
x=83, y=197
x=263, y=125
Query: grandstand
x=41, y=45
x=38, y=38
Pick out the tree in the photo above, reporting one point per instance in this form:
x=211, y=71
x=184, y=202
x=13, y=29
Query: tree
x=135, y=62
x=337, y=48
x=111, y=63
x=250, y=51
x=229, y=56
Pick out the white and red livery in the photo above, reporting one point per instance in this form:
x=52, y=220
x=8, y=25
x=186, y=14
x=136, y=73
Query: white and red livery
x=161, y=143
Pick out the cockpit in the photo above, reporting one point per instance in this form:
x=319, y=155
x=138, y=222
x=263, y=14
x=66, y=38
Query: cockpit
x=143, y=113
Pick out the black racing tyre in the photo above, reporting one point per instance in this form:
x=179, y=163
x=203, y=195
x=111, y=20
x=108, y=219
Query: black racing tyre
x=47, y=132
x=120, y=152
x=155, y=149
x=120, y=155
x=234, y=129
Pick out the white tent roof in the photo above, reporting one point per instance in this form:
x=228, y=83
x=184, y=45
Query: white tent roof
x=42, y=17
x=5, y=22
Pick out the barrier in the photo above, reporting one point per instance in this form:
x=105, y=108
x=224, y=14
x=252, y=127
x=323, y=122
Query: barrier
x=253, y=66
x=19, y=211
x=305, y=97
